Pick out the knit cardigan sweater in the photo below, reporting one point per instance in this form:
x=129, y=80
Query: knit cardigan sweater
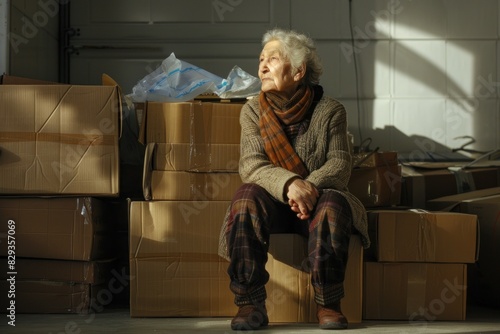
x=323, y=148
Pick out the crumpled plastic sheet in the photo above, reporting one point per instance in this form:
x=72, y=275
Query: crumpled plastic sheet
x=178, y=81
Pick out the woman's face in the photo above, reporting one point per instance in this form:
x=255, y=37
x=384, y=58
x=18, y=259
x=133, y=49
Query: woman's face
x=275, y=72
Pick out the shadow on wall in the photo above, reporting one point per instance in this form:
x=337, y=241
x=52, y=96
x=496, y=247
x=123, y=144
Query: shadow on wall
x=450, y=118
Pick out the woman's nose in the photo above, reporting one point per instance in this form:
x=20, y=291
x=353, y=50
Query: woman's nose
x=263, y=66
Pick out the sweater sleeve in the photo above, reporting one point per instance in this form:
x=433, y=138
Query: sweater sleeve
x=254, y=166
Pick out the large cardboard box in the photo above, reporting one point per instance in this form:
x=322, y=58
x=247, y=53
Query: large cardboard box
x=65, y=228
x=192, y=186
x=176, y=271
x=376, y=179
x=59, y=139
x=485, y=274
x=180, y=285
x=422, y=236
x=423, y=184
x=195, y=122
x=196, y=157
x=415, y=292
x=174, y=264
x=289, y=290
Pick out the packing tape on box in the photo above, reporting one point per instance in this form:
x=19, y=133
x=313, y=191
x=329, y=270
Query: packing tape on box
x=426, y=235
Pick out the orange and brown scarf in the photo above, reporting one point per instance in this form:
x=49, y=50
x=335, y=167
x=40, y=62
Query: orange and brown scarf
x=276, y=113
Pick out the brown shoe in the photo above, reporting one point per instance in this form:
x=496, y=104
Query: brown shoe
x=331, y=318
x=250, y=317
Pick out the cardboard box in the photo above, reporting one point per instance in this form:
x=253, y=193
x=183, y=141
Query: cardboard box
x=176, y=271
x=196, y=157
x=180, y=285
x=415, y=292
x=421, y=236
x=423, y=184
x=458, y=202
x=374, y=159
x=289, y=290
x=89, y=272
x=49, y=297
x=376, y=186
x=173, y=228
x=192, y=123
x=59, y=139
x=66, y=228
x=192, y=186
x=174, y=264
x=187, y=185
x=485, y=204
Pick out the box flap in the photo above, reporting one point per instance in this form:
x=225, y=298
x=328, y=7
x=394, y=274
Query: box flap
x=448, y=203
x=14, y=80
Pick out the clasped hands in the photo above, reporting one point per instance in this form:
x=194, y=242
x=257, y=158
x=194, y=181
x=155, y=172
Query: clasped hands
x=302, y=197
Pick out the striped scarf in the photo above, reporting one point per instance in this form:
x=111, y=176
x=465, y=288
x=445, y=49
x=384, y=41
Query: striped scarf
x=276, y=111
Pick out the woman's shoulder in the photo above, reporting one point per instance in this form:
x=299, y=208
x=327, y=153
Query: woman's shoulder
x=252, y=102
x=327, y=101
x=329, y=106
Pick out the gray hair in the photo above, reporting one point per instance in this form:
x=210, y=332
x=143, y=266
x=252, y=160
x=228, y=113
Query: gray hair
x=298, y=49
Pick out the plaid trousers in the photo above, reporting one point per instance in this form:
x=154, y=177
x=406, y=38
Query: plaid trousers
x=254, y=214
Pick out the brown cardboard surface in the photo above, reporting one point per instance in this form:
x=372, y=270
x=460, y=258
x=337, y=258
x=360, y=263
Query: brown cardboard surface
x=415, y=292
x=421, y=236
x=15, y=80
x=194, y=186
x=452, y=202
x=66, y=228
x=89, y=272
x=59, y=139
x=376, y=186
x=173, y=259
x=48, y=297
x=421, y=185
x=196, y=157
x=180, y=285
x=164, y=228
x=192, y=122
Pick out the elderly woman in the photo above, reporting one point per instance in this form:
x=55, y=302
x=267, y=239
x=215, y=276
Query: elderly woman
x=295, y=164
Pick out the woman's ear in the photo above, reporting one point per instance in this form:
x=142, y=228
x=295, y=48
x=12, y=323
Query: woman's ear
x=301, y=72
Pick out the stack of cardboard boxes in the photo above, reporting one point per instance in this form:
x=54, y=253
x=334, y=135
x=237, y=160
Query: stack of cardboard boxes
x=484, y=275
x=416, y=267
x=190, y=176
x=58, y=153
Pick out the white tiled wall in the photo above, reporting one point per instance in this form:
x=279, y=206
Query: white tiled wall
x=428, y=70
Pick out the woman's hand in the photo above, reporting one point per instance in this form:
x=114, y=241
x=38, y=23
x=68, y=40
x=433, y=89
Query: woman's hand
x=302, y=196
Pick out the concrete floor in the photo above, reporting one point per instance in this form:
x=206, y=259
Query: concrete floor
x=117, y=320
